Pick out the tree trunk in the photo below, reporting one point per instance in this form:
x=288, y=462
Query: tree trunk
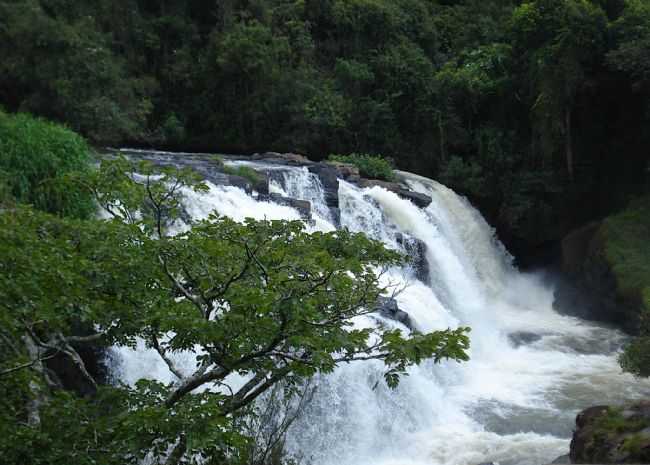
x=38, y=396
x=442, y=137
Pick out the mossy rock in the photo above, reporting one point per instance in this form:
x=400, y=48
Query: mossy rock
x=612, y=435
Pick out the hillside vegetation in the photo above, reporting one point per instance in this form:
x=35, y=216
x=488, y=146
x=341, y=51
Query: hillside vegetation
x=528, y=107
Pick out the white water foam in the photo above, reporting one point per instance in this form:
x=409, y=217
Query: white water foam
x=531, y=369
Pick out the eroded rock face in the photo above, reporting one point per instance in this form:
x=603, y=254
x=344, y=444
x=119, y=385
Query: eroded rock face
x=417, y=250
x=590, y=289
x=388, y=308
x=421, y=200
x=329, y=178
x=612, y=435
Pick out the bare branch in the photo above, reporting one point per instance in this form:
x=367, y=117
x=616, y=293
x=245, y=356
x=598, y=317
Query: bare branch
x=26, y=365
x=187, y=294
x=163, y=354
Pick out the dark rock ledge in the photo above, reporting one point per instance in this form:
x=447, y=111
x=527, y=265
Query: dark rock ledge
x=328, y=172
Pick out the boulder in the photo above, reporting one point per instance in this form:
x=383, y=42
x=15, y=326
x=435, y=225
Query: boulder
x=612, y=435
x=387, y=307
x=329, y=178
x=346, y=171
x=261, y=186
x=239, y=181
x=417, y=250
x=521, y=338
x=420, y=200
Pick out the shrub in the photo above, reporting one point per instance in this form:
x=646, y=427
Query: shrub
x=627, y=251
x=36, y=156
x=370, y=166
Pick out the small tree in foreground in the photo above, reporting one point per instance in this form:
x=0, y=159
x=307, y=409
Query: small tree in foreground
x=263, y=300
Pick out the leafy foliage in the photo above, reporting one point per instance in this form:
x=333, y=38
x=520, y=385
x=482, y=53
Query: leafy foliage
x=35, y=157
x=565, y=82
x=371, y=166
x=243, y=171
x=264, y=300
x=626, y=250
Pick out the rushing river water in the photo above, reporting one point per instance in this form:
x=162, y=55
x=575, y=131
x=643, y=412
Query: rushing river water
x=531, y=369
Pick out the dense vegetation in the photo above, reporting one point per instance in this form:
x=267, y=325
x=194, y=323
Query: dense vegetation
x=627, y=252
x=370, y=166
x=265, y=301
x=528, y=107
x=537, y=110
x=35, y=157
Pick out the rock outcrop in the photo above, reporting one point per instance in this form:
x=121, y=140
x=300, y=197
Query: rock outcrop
x=329, y=178
x=590, y=290
x=421, y=200
x=612, y=435
x=284, y=158
x=388, y=308
x=417, y=250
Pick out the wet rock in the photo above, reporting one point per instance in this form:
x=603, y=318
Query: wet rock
x=303, y=206
x=336, y=216
x=522, y=338
x=563, y=459
x=239, y=181
x=387, y=307
x=346, y=171
x=261, y=186
x=612, y=435
x=329, y=178
x=576, y=247
x=589, y=289
x=420, y=200
x=287, y=158
x=417, y=250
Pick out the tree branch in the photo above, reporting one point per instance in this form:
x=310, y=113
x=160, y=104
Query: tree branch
x=163, y=354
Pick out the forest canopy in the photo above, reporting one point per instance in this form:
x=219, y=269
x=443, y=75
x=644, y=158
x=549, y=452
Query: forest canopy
x=526, y=107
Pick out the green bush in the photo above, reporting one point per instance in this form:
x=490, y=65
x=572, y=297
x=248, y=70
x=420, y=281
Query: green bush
x=627, y=251
x=36, y=156
x=370, y=166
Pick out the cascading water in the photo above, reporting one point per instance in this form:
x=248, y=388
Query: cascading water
x=531, y=369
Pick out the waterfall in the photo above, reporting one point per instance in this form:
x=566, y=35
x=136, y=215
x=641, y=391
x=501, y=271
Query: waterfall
x=531, y=369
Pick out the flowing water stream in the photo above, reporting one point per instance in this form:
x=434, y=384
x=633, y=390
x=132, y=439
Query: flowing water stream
x=531, y=369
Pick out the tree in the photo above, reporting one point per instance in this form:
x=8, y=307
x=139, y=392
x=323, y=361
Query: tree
x=632, y=53
x=60, y=65
x=262, y=300
x=561, y=39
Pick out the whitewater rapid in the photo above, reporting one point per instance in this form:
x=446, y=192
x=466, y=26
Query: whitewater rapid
x=531, y=369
